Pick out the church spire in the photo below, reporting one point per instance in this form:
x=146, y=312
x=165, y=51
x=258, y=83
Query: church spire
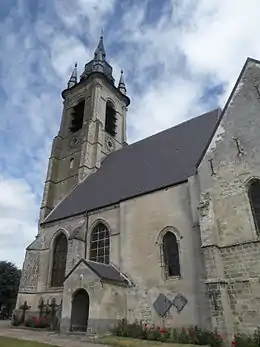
x=99, y=64
x=100, y=53
x=73, y=78
x=121, y=85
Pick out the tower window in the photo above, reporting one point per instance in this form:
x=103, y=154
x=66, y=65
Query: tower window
x=110, y=124
x=254, y=197
x=77, y=116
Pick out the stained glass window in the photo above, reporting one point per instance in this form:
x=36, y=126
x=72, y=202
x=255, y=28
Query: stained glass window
x=171, y=255
x=59, y=260
x=99, y=244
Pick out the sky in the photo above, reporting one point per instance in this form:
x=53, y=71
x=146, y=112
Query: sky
x=180, y=58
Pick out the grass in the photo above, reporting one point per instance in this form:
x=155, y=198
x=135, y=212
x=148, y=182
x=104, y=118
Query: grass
x=128, y=342
x=8, y=342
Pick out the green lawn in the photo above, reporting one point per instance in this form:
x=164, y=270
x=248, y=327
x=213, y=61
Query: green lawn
x=128, y=342
x=7, y=342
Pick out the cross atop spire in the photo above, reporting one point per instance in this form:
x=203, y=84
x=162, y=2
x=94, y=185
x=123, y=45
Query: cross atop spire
x=74, y=77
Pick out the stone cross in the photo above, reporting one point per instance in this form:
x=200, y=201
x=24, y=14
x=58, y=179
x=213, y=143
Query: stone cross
x=47, y=308
x=24, y=308
x=53, y=306
x=41, y=306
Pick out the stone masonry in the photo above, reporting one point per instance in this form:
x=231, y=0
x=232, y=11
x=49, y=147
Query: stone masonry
x=230, y=240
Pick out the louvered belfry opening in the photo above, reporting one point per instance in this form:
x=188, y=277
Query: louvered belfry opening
x=59, y=260
x=171, y=255
x=99, y=244
x=110, y=124
x=77, y=116
x=254, y=197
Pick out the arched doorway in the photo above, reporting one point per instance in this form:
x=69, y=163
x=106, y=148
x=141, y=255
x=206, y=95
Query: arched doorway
x=80, y=311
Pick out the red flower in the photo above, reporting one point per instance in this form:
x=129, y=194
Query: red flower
x=233, y=343
x=163, y=331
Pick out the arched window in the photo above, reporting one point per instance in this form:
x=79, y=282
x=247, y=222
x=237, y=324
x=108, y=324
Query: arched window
x=59, y=260
x=254, y=197
x=171, y=255
x=99, y=244
x=110, y=124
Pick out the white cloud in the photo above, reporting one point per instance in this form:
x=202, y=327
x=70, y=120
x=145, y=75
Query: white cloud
x=18, y=216
x=201, y=42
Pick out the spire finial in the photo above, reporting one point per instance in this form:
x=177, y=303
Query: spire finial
x=100, y=53
x=121, y=85
x=74, y=77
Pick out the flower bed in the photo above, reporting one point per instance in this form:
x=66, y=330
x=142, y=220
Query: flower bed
x=37, y=322
x=191, y=335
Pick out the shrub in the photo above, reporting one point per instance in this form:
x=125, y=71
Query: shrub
x=124, y=329
x=242, y=340
x=185, y=335
x=37, y=322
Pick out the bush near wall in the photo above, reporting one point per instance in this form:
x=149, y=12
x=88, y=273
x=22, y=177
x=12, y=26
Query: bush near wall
x=191, y=335
x=37, y=322
x=247, y=341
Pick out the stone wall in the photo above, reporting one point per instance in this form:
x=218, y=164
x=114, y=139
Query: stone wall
x=229, y=239
x=242, y=270
x=143, y=221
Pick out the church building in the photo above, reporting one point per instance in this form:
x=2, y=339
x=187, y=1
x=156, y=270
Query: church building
x=165, y=230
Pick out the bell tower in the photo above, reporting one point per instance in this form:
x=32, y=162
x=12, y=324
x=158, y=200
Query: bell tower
x=93, y=124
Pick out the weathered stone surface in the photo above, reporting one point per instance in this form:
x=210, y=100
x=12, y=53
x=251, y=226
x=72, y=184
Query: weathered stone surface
x=233, y=259
x=30, y=273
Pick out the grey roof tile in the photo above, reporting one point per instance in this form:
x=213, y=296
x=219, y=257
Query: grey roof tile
x=106, y=271
x=161, y=160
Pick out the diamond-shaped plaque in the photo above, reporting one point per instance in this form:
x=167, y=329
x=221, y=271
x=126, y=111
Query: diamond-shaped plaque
x=162, y=304
x=179, y=302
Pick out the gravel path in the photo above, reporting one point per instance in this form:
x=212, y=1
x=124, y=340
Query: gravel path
x=45, y=337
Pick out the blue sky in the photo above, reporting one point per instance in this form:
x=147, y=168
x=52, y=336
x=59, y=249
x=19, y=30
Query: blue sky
x=180, y=58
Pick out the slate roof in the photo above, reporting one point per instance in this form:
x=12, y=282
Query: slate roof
x=106, y=272
x=164, y=159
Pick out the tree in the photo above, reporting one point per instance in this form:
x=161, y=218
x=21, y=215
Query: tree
x=9, y=284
